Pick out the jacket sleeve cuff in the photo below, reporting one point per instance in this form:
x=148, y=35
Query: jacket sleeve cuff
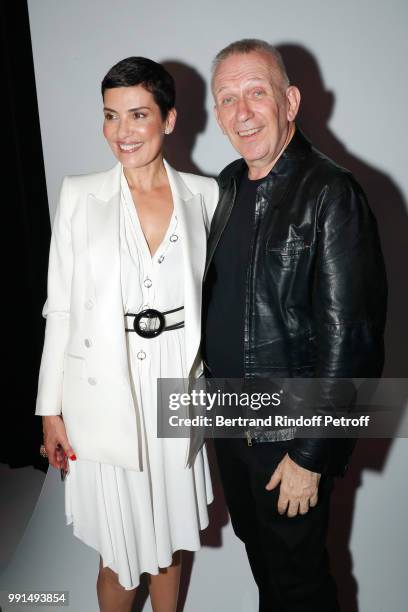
x=311, y=454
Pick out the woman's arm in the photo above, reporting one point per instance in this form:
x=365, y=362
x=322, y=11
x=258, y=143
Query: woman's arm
x=57, y=308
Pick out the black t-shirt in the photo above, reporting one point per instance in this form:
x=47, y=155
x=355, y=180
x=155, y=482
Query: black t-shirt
x=225, y=288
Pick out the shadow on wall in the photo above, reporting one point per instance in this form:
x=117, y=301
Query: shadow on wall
x=390, y=209
x=384, y=196
x=191, y=117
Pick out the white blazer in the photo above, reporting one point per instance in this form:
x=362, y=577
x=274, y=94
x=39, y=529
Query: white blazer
x=84, y=373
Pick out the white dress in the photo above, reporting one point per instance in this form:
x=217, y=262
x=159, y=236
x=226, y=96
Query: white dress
x=136, y=520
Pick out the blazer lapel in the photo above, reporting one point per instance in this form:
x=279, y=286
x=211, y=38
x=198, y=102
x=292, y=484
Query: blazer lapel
x=188, y=209
x=103, y=282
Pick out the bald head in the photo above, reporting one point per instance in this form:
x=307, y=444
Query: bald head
x=250, y=45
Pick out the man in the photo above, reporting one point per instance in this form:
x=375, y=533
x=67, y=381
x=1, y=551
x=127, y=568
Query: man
x=295, y=287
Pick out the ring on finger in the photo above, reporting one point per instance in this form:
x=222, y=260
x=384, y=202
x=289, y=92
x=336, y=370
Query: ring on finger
x=43, y=452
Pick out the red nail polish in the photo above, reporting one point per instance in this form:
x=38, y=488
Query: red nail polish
x=73, y=457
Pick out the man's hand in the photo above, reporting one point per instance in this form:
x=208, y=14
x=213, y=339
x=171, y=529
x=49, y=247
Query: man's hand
x=298, y=487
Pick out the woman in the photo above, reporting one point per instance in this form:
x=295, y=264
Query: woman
x=126, y=242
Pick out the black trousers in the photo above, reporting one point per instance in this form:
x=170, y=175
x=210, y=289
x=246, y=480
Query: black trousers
x=288, y=556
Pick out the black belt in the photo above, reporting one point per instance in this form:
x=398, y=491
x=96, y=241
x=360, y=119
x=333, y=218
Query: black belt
x=150, y=322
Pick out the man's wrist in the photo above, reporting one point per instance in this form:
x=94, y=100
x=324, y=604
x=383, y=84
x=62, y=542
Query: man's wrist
x=308, y=462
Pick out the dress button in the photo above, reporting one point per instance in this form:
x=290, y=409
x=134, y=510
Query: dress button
x=173, y=238
x=141, y=355
x=161, y=259
x=147, y=283
x=92, y=381
x=89, y=304
x=142, y=325
x=88, y=343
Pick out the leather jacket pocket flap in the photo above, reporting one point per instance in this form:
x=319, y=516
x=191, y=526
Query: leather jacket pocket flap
x=288, y=247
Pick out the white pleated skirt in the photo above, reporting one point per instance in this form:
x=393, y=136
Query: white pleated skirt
x=137, y=520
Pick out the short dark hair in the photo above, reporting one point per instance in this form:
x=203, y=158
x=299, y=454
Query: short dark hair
x=152, y=76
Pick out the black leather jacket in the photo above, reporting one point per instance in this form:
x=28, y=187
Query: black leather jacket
x=316, y=284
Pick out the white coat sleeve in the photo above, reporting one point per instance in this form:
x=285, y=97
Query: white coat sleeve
x=57, y=308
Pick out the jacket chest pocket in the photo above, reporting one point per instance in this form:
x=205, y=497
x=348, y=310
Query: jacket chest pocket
x=289, y=252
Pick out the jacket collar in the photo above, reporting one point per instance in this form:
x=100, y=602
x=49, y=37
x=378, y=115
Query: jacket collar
x=298, y=148
x=110, y=185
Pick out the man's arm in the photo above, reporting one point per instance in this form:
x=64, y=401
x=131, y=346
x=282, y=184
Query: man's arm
x=349, y=301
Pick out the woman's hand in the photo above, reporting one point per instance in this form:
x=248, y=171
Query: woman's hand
x=55, y=441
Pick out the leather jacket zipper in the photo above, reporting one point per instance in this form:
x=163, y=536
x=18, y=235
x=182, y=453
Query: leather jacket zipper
x=248, y=291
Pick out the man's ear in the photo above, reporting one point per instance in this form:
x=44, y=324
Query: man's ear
x=217, y=116
x=293, y=102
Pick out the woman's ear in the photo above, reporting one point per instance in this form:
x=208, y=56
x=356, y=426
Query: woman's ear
x=170, y=121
